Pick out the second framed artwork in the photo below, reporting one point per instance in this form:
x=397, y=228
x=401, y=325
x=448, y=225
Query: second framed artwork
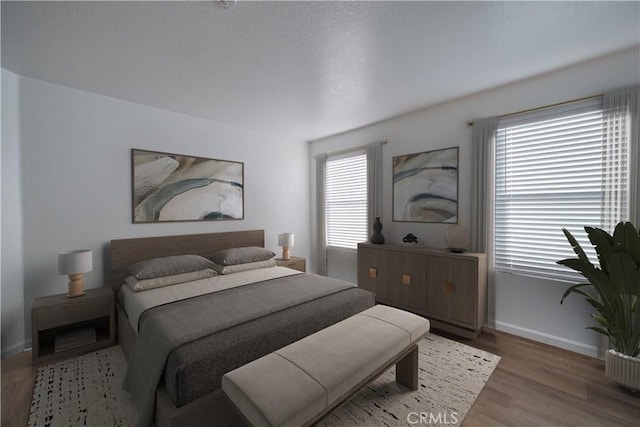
x=175, y=187
x=425, y=186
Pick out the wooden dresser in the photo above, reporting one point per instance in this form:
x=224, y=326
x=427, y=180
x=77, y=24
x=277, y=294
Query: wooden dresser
x=449, y=289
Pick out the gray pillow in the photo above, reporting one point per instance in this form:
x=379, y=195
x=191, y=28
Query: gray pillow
x=241, y=255
x=168, y=266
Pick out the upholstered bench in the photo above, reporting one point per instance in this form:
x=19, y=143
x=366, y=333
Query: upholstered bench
x=300, y=383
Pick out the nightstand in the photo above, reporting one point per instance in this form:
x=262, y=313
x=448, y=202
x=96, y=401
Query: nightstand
x=295, y=263
x=64, y=327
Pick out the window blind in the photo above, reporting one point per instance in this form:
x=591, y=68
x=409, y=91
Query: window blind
x=346, y=200
x=548, y=177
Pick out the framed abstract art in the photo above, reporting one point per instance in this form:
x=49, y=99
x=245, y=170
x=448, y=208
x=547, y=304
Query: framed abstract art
x=425, y=186
x=175, y=187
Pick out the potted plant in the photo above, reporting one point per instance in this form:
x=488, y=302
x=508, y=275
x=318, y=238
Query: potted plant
x=613, y=289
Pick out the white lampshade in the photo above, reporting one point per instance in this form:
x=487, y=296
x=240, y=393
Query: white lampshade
x=285, y=240
x=74, y=262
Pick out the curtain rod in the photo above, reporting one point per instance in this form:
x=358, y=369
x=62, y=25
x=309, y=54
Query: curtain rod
x=471, y=122
x=346, y=150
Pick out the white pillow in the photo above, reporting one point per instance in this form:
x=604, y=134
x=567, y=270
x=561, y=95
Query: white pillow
x=158, y=282
x=230, y=269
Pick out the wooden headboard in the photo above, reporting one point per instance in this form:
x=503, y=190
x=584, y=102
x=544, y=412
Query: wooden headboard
x=125, y=252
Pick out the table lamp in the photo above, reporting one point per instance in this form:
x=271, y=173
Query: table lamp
x=286, y=241
x=73, y=264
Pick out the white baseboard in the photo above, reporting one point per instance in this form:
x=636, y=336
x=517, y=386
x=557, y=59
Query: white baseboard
x=12, y=351
x=542, y=337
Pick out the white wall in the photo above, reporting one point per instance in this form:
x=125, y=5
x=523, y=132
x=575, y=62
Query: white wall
x=522, y=306
x=340, y=262
x=12, y=290
x=76, y=178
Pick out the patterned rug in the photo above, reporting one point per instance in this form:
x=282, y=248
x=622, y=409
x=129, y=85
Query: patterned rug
x=452, y=376
x=85, y=391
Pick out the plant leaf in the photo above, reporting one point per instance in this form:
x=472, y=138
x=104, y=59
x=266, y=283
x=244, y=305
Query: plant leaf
x=635, y=286
x=603, y=243
x=575, y=289
x=595, y=303
x=602, y=321
x=633, y=241
x=623, y=272
x=619, y=238
x=597, y=278
x=613, y=290
x=595, y=328
x=576, y=246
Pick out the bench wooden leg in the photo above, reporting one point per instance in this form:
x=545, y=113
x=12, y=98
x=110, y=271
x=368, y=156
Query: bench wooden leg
x=407, y=370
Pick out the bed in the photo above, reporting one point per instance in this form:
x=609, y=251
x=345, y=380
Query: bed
x=284, y=309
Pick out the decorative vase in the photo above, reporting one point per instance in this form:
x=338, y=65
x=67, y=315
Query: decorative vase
x=623, y=369
x=457, y=238
x=377, y=238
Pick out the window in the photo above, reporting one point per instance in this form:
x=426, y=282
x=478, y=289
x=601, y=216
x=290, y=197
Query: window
x=550, y=175
x=346, y=200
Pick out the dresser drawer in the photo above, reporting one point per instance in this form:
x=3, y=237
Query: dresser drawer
x=450, y=289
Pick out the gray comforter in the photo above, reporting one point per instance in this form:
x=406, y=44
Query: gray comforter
x=168, y=327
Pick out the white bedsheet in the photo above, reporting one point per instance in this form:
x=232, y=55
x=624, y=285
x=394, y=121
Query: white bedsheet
x=135, y=303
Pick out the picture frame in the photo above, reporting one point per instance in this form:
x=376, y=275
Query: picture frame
x=169, y=187
x=425, y=186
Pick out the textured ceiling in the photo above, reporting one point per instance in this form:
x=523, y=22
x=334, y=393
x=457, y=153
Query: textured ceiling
x=304, y=70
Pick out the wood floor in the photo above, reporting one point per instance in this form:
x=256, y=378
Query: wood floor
x=534, y=385
x=539, y=385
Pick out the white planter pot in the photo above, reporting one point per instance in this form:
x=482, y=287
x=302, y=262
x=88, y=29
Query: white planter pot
x=623, y=369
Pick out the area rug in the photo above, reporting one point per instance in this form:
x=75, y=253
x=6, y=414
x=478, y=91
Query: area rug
x=86, y=391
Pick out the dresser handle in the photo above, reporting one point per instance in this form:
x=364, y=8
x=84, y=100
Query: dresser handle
x=406, y=279
x=373, y=272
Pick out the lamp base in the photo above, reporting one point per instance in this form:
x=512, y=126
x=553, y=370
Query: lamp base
x=78, y=295
x=286, y=253
x=76, y=286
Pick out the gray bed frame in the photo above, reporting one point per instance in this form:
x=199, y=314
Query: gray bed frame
x=212, y=409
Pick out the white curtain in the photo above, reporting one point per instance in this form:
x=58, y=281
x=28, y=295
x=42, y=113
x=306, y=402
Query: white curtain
x=483, y=145
x=374, y=182
x=321, y=234
x=482, y=191
x=620, y=158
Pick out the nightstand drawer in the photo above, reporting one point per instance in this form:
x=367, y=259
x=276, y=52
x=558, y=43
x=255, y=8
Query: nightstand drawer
x=73, y=311
x=295, y=263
